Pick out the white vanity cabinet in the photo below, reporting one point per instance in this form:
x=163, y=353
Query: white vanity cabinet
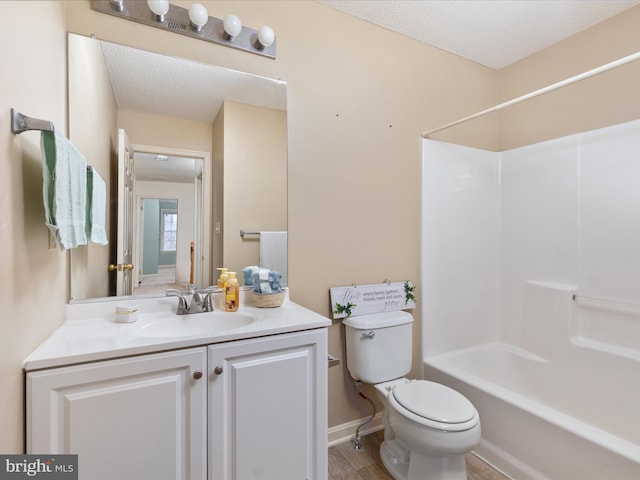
x=137, y=418
x=268, y=408
x=253, y=409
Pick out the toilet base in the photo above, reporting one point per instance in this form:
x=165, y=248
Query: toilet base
x=395, y=459
x=403, y=464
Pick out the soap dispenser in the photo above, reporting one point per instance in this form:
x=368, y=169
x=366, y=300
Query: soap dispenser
x=222, y=279
x=231, y=293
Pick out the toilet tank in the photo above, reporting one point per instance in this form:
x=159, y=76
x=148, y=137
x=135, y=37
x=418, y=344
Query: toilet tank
x=379, y=346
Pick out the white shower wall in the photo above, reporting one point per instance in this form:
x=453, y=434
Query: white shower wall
x=539, y=235
x=460, y=247
x=566, y=211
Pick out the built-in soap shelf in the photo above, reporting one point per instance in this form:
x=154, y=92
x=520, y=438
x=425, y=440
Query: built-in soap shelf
x=610, y=326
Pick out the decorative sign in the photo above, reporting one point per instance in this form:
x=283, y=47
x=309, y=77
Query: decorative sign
x=366, y=299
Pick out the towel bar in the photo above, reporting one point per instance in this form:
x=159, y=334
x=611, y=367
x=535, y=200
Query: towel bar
x=243, y=233
x=21, y=123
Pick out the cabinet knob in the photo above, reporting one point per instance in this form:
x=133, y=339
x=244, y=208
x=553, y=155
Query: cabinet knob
x=217, y=370
x=197, y=375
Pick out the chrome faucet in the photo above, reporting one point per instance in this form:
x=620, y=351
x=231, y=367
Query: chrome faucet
x=200, y=302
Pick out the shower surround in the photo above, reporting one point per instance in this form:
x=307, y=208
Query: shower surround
x=531, y=298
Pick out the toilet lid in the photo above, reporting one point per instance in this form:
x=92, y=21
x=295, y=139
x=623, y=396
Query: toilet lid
x=435, y=402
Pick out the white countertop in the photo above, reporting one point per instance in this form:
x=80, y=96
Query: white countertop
x=91, y=333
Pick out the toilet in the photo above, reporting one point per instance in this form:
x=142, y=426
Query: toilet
x=428, y=427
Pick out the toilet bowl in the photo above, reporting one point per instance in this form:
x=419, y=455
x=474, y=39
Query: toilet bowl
x=429, y=427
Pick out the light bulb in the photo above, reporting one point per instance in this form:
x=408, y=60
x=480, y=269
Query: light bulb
x=232, y=26
x=265, y=37
x=159, y=7
x=198, y=15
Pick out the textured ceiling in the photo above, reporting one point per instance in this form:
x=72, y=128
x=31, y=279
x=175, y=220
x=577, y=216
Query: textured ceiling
x=158, y=84
x=161, y=85
x=489, y=32
x=151, y=167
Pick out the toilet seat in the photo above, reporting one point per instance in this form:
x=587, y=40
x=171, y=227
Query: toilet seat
x=434, y=405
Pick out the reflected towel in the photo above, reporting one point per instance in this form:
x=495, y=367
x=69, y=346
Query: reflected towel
x=273, y=252
x=248, y=274
x=96, y=207
x=64, y=189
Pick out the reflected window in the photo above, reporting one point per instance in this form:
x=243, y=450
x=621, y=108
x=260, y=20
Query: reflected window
x=168, y=230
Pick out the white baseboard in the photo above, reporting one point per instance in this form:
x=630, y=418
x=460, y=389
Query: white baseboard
x=347, y=431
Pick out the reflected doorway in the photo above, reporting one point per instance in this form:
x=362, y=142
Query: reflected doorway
x=158, y=245
x=171, y=237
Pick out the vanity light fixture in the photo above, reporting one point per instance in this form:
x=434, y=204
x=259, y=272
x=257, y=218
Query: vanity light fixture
x=194, y=22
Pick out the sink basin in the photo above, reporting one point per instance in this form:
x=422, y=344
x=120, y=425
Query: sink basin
x=196, y=324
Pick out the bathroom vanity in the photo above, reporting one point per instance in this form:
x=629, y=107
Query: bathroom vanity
x=212, y=395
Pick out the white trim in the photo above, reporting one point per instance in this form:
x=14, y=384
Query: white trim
x=347, y=431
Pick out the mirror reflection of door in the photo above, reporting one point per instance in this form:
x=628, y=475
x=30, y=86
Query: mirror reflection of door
x=158, y=246
x=124, y=243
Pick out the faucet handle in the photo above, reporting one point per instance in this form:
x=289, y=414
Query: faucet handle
x=206, y=302
x=182, y=303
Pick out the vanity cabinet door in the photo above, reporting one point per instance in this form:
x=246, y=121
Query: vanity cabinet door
x=268, y=408
x=134, y=418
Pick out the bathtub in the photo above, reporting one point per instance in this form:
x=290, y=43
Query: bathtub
x=574, y=418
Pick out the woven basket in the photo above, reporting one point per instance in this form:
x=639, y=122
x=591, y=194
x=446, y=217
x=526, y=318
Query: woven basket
x=268, y=300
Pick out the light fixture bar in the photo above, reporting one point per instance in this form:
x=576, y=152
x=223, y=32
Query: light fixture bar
x=177, y=20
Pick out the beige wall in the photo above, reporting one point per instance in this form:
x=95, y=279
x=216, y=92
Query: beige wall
x=169, y=132
x=255, y=180
x=33, y=284
x=609, y=98
x=93, y=130
x=217, y=180
x=358, y=100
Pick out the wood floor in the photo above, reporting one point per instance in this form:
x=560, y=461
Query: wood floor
x=346, y=463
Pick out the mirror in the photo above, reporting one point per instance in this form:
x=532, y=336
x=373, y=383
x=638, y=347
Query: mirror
x=208, y=150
